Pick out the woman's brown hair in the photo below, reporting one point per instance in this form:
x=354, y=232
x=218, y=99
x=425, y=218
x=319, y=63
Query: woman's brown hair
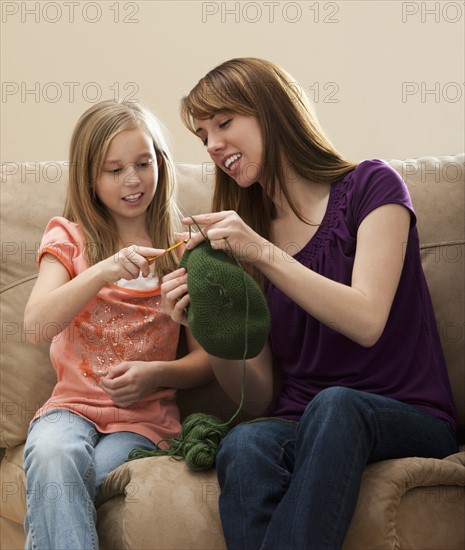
x=255, y=87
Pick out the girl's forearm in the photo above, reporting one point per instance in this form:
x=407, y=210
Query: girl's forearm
x=57, y=308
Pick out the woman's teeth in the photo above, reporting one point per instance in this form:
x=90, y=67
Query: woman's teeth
x=231, y=159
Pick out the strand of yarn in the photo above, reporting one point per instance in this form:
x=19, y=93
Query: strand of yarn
x=201, y=434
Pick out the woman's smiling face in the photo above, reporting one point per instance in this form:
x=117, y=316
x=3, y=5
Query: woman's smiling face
x=234, y=143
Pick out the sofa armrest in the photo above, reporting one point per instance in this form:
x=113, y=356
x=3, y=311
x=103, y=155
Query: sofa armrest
x=399, y=497
x=164, y=505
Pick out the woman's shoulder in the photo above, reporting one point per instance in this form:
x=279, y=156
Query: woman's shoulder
x=373, y=183
x=374, y=173
x=369, y=167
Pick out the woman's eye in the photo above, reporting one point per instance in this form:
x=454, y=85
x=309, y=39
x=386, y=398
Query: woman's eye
x=225, y=124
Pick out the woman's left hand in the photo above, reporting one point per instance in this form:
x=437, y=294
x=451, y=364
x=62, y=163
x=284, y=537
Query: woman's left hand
x=129, y=382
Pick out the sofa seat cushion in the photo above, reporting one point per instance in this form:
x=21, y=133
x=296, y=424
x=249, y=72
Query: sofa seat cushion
x=399, y=497
x=13, y=483
x=177, y=508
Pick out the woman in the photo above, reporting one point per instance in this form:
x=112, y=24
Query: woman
x=335, y=246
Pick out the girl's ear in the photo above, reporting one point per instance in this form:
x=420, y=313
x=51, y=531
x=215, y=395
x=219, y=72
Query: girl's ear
x=159, y=159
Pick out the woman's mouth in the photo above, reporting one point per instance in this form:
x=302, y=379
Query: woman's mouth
x=232, y=162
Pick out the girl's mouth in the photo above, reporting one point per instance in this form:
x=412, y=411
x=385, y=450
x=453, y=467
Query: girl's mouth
x=133, y=199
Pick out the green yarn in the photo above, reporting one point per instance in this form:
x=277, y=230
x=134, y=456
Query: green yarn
x=227, y=309
x=197, y=442
x=228, y=315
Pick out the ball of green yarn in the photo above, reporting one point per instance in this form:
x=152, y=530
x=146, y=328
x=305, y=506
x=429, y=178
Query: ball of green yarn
x=197, y=442
x=228, y=314
x=202, y=435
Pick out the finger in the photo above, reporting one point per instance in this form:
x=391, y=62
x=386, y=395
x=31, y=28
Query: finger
x=170, y=285
x=132, y=261
x=173, y=275
x=179, y=312
x=204, y=219
x=148, y=251
x=195, y=240
x=113, y=384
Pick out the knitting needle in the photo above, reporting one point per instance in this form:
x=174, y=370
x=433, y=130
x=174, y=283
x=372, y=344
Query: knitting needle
x=153, y=258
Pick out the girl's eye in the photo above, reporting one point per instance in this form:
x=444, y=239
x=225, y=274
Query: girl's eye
x=146, y=164
x=225, y=124
x=115, y=171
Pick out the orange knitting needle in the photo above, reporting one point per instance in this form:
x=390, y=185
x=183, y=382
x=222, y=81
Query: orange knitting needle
x=153, y=258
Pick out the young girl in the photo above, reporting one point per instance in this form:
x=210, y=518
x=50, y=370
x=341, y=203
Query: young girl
x=114, y=349
x=335, y=245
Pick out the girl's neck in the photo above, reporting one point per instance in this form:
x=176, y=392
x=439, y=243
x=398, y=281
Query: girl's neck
x=133, y=234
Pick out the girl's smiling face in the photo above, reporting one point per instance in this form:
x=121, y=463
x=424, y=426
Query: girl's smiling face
x=128, y=181
x=234, y=143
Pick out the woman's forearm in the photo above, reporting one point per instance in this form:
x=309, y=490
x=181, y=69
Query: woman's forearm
x=251, y=380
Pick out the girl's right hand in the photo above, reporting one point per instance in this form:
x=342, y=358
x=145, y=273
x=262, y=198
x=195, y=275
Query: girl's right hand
x=128, y=263
x=174, y=296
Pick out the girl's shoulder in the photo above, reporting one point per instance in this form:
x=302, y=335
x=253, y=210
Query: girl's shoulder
x=59, y=226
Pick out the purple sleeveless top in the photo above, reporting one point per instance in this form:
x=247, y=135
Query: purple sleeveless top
x=407, y=362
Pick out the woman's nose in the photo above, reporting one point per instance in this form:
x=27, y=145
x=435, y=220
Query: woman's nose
x=214, y=144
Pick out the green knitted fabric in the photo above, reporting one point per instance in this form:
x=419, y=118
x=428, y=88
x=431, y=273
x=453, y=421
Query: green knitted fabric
x=228, y=314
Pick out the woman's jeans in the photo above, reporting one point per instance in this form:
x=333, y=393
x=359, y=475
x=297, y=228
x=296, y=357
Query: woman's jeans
x=66, y=460
x=294, y=486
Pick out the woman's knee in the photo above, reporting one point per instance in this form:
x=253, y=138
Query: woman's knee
x=337, y=405
x=336, y=397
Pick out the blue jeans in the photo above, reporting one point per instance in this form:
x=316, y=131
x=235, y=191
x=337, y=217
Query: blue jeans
x=295, y=485
x=66, y=460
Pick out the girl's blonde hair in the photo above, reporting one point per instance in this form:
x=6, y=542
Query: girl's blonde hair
x=290, y=132
x=89, y=145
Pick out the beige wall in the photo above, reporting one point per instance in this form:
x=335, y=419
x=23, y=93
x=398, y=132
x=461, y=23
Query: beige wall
x=387, y=77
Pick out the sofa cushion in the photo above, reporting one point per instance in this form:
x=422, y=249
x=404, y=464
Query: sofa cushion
x=436, y=185
x=129, y=489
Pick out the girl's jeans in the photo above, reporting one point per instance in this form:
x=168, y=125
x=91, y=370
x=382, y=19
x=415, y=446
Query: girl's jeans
x=66, y=460
x=294, y=486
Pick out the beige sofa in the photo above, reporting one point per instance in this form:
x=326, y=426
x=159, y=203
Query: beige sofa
x=157, y=503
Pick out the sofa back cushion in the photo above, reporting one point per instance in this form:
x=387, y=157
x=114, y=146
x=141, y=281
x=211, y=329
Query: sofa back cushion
x=437, y=186
x=32, y=193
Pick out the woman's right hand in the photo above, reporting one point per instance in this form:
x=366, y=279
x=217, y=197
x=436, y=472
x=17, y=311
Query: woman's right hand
x=175, y=298
x=128, y=263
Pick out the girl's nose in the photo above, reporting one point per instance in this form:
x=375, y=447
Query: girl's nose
x=131, y=174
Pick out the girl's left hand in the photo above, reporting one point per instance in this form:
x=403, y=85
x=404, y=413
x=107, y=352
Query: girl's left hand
x=174, y=295
x=246, y=244
x=128, y=383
